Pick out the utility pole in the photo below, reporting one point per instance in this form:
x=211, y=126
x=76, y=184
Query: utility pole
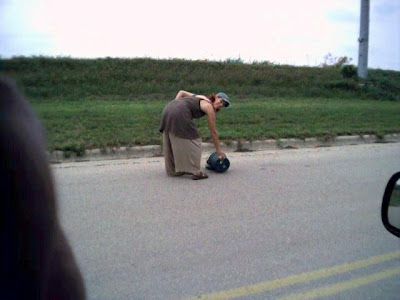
x=362, y=70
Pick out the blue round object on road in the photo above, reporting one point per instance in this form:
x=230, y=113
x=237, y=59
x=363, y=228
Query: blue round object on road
x=216, y=164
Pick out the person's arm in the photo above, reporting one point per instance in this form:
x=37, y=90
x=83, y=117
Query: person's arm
x=183, y=94
x=203, y=98
x=209, y=111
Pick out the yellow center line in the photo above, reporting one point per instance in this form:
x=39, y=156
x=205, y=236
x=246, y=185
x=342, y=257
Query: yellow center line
x=300, y=278
x=343, y=286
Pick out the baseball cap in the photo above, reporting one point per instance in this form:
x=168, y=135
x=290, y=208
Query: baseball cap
x=225, y=98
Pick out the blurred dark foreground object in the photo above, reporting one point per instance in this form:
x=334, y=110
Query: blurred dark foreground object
x=36, y=259
x=216, y=164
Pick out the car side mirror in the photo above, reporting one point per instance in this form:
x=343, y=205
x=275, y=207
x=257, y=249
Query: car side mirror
x=391, y=205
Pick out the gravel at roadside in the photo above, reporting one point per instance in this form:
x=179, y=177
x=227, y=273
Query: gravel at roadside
x=246, y=146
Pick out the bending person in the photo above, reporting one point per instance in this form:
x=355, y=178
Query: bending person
x=181, y=139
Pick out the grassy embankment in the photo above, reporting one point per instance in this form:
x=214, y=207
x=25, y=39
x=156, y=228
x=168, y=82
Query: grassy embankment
x=395, y=198
x=118, y=102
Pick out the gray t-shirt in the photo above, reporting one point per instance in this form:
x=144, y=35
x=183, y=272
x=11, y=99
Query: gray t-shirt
x=178, y=115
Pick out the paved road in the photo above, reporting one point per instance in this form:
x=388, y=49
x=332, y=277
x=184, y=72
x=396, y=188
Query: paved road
x=290, y=223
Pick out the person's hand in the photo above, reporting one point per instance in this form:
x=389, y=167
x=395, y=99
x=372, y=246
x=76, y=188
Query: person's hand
x=221, y=155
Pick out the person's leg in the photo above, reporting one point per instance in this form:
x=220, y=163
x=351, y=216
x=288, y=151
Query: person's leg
x=168, y=155
x=187, y=154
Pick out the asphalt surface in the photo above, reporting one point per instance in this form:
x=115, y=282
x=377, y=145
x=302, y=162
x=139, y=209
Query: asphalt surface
x=247, y=233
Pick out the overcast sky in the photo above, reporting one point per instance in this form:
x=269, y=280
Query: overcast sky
x=283, y=32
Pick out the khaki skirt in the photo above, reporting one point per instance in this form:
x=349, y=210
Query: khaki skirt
x=181, y=155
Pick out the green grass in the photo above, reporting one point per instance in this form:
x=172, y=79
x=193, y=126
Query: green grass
x=97, y=103
x=395, y=198
x=88, y=123
x=149, y=79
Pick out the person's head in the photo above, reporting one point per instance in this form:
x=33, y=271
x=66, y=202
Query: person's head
x=219, y=100
x=36, y=258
